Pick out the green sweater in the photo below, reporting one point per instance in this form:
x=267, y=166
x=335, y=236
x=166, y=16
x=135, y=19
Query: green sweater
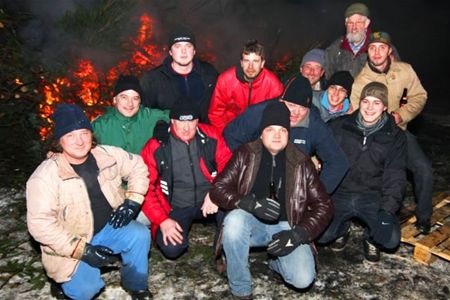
x=130, y=134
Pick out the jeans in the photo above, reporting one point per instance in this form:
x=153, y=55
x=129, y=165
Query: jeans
x=241, y=230
x=184, y=217
x=132, y=242
x=422, y=171
x=365, y=207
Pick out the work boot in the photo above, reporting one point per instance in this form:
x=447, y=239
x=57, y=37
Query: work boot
x=56, y=291
x=141, y=295
x=340, y=243
x=423, y=226
x=247, y=297
x=371, y=252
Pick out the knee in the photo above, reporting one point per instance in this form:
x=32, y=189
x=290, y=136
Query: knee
x=300, y=279
x=85, y=291
x=233, y=226
x=173, y=252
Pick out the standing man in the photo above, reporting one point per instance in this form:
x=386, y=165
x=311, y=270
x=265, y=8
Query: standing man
x=127, y=124
x=276, y=200
x=312, y=68
x=400, y=77
x=241, y=86
x=80, y=215
x=181, y=74
x=373, y=188
x=181, y=169
x=308, y=132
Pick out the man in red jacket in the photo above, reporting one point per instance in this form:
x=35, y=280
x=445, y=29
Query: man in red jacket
x=240, y=86
x=181, y=167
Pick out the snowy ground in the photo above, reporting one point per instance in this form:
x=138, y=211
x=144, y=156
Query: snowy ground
x=342, y=275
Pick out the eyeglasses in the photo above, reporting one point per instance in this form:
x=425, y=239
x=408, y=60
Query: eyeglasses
x=335, y=88
x=357, y=23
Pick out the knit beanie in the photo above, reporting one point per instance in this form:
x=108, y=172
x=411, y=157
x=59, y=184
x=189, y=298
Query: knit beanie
x=357, y=8
x=316, y=54
x=185, y=109
x=275, y=113
x=298, y=90
x=377, y=90
x=128, y=82
x=380, y=37
x=344, y=79
x=67, y=118
x=181, y=34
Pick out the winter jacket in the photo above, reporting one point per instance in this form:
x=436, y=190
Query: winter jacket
x=312, y=137
x=320, y=100
x=161, y=88
x=130, y=134
x=59, y=214
x=307, y=203
x=377, y=163
x=214, y=154
x=233, y=94
x=399, y=76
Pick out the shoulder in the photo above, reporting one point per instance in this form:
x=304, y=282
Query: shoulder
x=206, y=67
x=208, y=130
x=336, y=44
x=230, y=73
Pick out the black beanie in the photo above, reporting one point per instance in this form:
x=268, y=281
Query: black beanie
x=344, y=79
x=128, y=82
x=275, y=113
x=185, y=109
x=298, y=90
x=181, y=34
x=67, y=118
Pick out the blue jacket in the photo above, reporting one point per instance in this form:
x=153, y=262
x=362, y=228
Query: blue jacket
x=314, y=137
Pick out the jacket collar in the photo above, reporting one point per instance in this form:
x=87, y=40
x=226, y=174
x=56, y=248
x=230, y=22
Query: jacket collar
x=121, y=117
x=241, y=78
x=293, y=155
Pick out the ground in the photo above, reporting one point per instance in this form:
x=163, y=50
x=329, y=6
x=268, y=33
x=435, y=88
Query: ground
x=344, y=275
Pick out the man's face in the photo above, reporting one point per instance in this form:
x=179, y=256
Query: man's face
x=356, y=26
x=275, y=138
x=378, y=53
x=182, y=53
x=252, y=64
x=371, y=109
x=313, y=71
x=127, y=102
x=298, y=112
x=76, y=145
x=185, y=130
x=336, y=95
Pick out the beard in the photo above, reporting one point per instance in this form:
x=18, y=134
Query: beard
x=356, y=38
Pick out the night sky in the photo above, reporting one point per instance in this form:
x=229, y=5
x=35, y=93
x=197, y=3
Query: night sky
x=419, y=30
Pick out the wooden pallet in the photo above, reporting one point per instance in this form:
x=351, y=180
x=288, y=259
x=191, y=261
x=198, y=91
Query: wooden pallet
x=437, y=242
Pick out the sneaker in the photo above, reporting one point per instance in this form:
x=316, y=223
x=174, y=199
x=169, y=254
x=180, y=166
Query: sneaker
x=141, y=295
x=371, y=252
x=340, y=243
x=423, y=226
x=56, y=291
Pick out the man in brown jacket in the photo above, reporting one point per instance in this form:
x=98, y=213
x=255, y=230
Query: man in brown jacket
x=276, y=200
x=80, y=215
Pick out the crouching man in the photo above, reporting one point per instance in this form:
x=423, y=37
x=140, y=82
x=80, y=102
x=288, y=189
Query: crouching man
x=80, y=215
x=296, y=212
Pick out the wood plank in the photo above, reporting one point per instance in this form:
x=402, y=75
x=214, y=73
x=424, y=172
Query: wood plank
x=435, y=237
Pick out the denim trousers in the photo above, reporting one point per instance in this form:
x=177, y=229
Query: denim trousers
x=241, y=231
x=185, y=217
x=132, y=242
x=363, y=206
x=422, y=171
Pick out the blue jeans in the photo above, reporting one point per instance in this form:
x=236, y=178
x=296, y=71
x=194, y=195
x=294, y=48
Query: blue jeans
x=365, y=207
x=241, y=230
x=421, y=168
x=184, y=217
x=132, y=242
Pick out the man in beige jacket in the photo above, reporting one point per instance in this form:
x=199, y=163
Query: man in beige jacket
x=80, y=215
x=400, y=79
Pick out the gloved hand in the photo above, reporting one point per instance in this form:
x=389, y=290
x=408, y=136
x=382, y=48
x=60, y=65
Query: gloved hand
x=161, y=131
x=286, y=241
x=126, y=212
x=97, y=256
x=265, y=208
x=386, y=232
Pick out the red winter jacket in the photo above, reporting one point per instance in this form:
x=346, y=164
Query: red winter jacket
x=232, y=94
x=213, y=152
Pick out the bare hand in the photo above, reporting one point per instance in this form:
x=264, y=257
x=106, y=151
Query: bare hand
x=208, y=208
x=172, y=232
x=398, y=119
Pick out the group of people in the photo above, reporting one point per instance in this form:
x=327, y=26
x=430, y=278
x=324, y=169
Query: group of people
x=185, y=144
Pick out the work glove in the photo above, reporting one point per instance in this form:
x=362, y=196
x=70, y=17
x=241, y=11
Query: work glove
x=386, y=231
x=286, y=241
x=265, y=208
x=161, y=131
x=126, y=212
x=97, y=256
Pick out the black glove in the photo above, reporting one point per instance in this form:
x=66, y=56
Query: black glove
x=386, y=230
x=97, y=256
x=265, y=208
x=161, y=131
x=124, y=213
x=286, y=241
